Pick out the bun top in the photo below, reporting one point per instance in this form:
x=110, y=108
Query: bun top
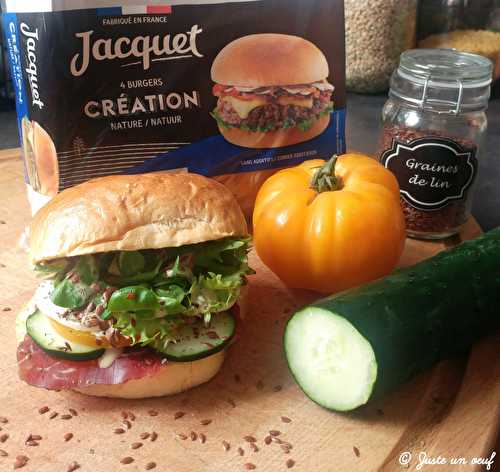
x=131, y=212
x=269, y=59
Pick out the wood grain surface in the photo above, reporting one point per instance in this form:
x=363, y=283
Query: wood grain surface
x=451, y=411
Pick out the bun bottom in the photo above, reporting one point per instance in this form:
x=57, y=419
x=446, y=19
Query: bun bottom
x=174, y=377
x=274, y=139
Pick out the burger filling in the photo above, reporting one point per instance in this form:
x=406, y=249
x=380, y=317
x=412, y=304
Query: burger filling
x=141, y=298
x=271, y=108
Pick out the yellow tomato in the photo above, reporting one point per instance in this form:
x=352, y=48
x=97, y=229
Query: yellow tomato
x=81, y=337
x=330, y=226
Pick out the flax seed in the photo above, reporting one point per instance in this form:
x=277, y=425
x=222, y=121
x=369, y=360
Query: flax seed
x=380, y=412
x=3, y=453
x=356, y=451
x=73, y=411
x=250, y=466
x=277, y=388
x=276, y=440
x=68, y=437
x=285, y=449
x=202, y=438
x=231, y=402
x=250, y=439
x=124, y=415
x=254, y=447
x=285, y=419
x=66, y=417
x=290, y=463
x=268, y=440
x=4, y=437
x=154, y=436
x=144, y=435
x=127, y=460
x=21, y=461
x=73, y=466
x=181, y=436
x=127, y=424
x=150, y=465
x=131, y=416
x=3, y=420
x=287, y=444
x=43, y=410
x=193, y=436
x=205, y=422
x=152, y=413
x=241, y=451
x=178, y=414
x=226, y=445
x=31, y=443
x=7, y=308
x=119, y=431
x=53, y=415
x=274, y=432
x=136, y=445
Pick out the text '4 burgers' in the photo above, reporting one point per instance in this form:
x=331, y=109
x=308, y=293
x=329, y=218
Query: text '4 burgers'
x=143, y=275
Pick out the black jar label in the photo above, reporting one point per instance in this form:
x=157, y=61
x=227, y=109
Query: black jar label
x=431, y=171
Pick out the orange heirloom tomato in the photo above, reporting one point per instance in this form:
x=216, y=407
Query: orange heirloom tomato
x=330, y=226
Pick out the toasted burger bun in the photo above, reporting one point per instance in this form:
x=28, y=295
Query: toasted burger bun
x=272, y=139
x=132, y=212
x=173, y=377
x=269, y=59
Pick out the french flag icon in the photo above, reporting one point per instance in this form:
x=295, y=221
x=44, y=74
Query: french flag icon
x=135, y=10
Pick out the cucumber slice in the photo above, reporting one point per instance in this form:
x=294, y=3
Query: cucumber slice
x=39, y=328
x=332, y=363
x=197, y=341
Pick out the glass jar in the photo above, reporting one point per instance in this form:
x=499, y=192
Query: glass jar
x=433, y=124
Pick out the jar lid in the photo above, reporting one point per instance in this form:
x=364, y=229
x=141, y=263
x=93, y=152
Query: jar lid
x=443, y=80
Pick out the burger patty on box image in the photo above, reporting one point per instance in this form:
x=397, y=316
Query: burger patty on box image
x=232, y=90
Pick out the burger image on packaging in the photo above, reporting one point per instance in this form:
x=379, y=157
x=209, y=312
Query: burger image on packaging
x=272, y=91
x=142, y=283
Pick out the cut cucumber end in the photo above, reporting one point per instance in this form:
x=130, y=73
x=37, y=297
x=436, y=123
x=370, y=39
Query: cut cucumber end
x=331, y=361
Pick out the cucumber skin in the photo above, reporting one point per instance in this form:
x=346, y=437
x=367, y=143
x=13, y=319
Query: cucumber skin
x=425, y=313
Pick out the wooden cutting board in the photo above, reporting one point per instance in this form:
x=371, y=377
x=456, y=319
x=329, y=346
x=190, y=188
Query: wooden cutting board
x=451, y=411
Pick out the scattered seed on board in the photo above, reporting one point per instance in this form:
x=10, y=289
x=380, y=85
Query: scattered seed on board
x=250, y=466
x=290, y=463
x=276, y=440
x=249, y=439
x=68, y=437
x=66, y=417
x=3, y=420
x=202, y=438
x=154, y=436
x=277, y=388
x=287, y=444
x=274, y=432
x=178, y=414
x=268, y=440
x=127, y=460
x=241, y=451
x=124, y=415
x=380, y=412
x=285, y=419
x=150, y=465
x=3, y=453
x=127, y=424
x=226, y=445
x=285, y=448
x=119, y=431
x=53, y=415
x=193, y=436
x=73, y=411
x=356, y=451
x=254, y=447
x=205, y=422
x=4, y=437
x=181, y=436
x=231, y=402
x=73, y=466
x=152, y=413
x=21, y=461
x=6, y=308
x=43, y=410
x=34, y=437
x=31, y=443
x=136, y=445
x=144, y=435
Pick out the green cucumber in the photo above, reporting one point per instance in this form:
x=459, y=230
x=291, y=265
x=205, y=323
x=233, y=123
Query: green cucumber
x=367, y=341
x=197, y=341
x=41, y=331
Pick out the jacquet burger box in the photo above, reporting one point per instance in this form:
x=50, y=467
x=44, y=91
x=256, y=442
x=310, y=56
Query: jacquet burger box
x=229, y=89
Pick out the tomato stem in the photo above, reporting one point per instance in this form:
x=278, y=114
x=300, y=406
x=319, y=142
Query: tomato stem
x=324, y=179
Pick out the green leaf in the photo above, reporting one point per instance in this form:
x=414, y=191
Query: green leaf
x=130, y=262
x=133, y=298
x=51, y=269
x=87, y=269
x=70, y=295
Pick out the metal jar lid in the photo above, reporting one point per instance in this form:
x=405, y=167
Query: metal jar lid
x=442, y=80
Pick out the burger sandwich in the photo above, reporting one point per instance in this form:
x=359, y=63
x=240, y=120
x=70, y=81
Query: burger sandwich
x=272, y=91
x=142, y=280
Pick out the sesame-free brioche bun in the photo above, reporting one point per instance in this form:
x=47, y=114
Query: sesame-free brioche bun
x=132, y=212
x=278, y=138
x=269, y=59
